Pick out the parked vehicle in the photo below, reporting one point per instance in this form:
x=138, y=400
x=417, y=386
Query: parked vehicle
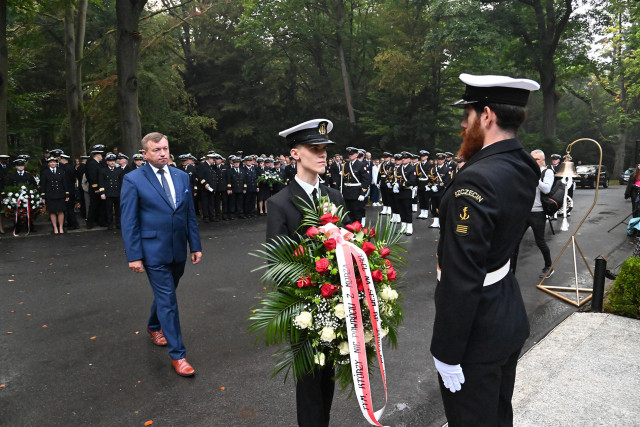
x=624, y=176
x=588, y=176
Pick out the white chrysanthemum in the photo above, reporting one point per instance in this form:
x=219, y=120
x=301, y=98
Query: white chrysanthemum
x=327, y=334
x=338, y=310
x=368, y=335
x=344, y=348
x=303, y=320
x=384, y=332
x=320, y=359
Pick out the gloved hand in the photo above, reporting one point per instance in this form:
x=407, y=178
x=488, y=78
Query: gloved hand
x=396, y=188
x=210, y=189
x=414, y=191
x=427, y=188
x=434, y=188
x=389, y=185
x=452, y=375
x=361, y=198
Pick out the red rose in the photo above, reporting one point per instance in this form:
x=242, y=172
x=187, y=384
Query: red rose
x=368, y=248
x=328, y=289
x=328, y=218
x=377, y=276
x=385, y=252
x=322, y=265
x=391, y=274
x=354, y=226
x=359, y=284
x=330, y=244
x=312, y=232
x=388, y=263
x=304, y=282
x=298, y=252
x=372, y=232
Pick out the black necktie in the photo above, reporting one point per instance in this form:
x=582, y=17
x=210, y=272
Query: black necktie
x=20, y=173
x=314, y=196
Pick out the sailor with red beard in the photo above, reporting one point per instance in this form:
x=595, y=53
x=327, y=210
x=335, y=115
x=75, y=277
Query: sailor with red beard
x=481, y=324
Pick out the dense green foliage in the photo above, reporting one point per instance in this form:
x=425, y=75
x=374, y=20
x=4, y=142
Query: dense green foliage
x=228, y=75
x=624, y=298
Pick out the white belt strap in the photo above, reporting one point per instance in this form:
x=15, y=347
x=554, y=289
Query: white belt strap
x=349, y=184
x=490, y=278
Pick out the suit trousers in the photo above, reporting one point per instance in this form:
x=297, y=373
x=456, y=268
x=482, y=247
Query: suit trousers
x=314, y=396
x=485, y=397
x=164, y=310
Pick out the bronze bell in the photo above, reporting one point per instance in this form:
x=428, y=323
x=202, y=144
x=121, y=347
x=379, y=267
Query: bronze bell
x=567, y=169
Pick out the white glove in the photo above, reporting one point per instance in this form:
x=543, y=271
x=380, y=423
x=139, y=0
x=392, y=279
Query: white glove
x=361, y=198
x=434, y=188
x=389, y=185
x=414, y=191
x=396, y=188
x=427, y=188
x=210, y=189
x=452, y=375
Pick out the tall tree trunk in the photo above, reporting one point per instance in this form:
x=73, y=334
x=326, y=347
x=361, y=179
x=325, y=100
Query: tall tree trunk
x=127, y=49
x=73, y=91
x=81, y=26
x=549, y=97
x=4, y=77
x=343, y=63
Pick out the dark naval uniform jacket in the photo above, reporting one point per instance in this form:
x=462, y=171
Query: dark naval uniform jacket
x=15, y=178
x=251, y=178
x=482, y=217
x=405, y=178
x=207, y=175
x=355, y=179
x=110, y=181
x=236, y=180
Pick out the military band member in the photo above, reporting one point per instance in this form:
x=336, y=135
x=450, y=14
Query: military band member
x=369, y=178
x=439, y=179
x=403, y=189
x=415, y=159
x=207, y=186
x=236, y=189
x=422, y=175
x=391, y=181
x=354, y=184
x=55, y=194
x=385, y=170
x=110, y=183
x=481, y=323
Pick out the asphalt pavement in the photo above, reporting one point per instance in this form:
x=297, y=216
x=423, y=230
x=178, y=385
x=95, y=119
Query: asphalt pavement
x=75, y=351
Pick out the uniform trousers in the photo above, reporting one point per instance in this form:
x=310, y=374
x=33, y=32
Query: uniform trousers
x=393, y=201
x=164, y=310
x=435, y=204
x=384, y=194
x=485, y=397
x=314, y=396
x=220, y=204
x=207, y=199
x=249, y=203
x=404, y=209
x=356, y=209
x=96, y=213
x=112, y=205
x=424, y=198
x=235, y=204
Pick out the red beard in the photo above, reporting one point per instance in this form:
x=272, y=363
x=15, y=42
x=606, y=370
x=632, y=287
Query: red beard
x=472, y=142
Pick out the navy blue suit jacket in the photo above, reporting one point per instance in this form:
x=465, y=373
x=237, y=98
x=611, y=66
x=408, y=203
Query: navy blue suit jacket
x=152, y=230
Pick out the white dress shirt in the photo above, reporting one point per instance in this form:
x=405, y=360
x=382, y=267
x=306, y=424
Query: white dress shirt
x=167, y=176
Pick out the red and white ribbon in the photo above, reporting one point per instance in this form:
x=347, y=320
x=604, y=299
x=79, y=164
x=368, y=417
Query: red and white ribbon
x=23, y=192
x=346, y=254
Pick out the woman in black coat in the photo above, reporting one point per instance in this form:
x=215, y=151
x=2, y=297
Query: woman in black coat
x=633, y=192
x=55, y=193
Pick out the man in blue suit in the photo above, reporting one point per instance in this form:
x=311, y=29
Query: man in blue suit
x=158, y=219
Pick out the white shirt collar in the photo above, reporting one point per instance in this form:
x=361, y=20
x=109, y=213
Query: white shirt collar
x=308, y=188
x=155, y=169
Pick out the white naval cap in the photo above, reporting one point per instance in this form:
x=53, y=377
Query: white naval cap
x=492, y=89
x=311, y=132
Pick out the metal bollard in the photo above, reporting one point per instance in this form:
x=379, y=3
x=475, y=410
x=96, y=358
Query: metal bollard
x=598, y=284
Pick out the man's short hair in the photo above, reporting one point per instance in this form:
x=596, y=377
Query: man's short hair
x=539, y=152
x=153, y=136
x=510, y=117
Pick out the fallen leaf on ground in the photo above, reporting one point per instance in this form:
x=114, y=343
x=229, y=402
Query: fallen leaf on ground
x=2, y=386
x=148, y=423
x=44, y=326
x=11, y=280
x=93, y=338
x=221, y=388
x=9, y=333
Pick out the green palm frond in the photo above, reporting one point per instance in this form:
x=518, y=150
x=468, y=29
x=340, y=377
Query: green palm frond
x=388, y=234
x=283, y=266
x=311, y=214
x=274, y=316
x=297, y=358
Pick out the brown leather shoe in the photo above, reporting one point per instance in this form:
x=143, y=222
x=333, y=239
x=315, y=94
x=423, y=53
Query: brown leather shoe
x=158, y=337
x=183, y=367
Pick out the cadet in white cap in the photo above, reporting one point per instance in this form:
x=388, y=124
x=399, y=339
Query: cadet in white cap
x=480, y=323
x=308, y=146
